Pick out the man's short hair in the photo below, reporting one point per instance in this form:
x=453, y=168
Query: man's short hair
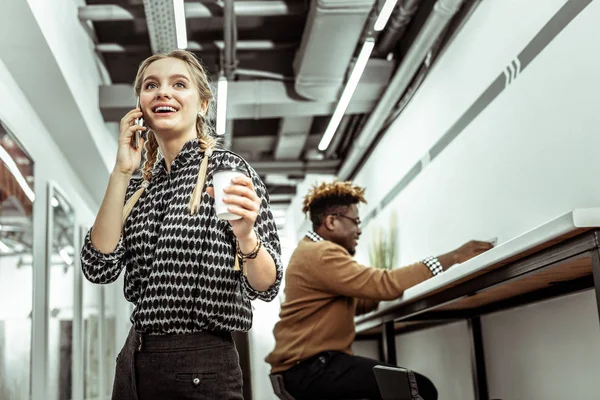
x=330, y=198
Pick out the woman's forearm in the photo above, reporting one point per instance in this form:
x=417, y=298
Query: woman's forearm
x=107, y=226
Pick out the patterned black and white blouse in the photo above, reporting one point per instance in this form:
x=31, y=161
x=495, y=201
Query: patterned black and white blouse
x=179, y=268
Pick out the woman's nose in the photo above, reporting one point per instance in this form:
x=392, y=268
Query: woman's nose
x=163, y=92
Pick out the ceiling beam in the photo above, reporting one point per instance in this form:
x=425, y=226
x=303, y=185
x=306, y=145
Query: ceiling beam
x=253, y=144
x=259, y=99
x=113, y=12
x=295, y=167
x=241, y=45
x=291, y=139
x=281, y=198
x=282, y=190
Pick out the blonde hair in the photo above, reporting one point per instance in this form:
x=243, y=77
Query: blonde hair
x=203, y=128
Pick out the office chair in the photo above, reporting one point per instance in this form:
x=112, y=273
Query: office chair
x=396, y=383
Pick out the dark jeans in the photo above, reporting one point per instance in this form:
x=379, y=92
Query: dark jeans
x=201, y=365
x=334, y=375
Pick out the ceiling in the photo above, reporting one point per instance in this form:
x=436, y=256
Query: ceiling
x=287, y=63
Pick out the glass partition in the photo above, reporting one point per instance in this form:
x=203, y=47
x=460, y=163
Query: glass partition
x=109, y=335
x=91, y=335
x=61, y=294
x=16, y=274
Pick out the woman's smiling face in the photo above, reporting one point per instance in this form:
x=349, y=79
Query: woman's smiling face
x=169, y=97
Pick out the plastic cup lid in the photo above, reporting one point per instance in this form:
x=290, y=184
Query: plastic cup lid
x=223, y=168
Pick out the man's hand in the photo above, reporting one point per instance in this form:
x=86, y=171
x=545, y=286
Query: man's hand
x=464, y=253
x=470, y=250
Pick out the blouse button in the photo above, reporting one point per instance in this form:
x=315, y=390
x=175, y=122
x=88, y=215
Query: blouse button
x=196, y=381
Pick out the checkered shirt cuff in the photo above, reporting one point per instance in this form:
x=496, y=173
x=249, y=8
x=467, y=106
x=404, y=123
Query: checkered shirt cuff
x=434, y=265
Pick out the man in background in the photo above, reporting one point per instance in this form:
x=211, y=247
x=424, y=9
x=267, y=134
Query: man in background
x=325, y=288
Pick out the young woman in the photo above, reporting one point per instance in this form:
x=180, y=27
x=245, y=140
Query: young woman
x=190, y=275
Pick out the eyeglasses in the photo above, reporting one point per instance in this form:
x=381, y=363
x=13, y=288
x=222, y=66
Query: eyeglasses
x=355, y=220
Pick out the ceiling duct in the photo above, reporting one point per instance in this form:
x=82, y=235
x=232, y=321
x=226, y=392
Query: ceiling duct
x=333, y=28
x=212, y=45
x=260, y=8
x=397, y=25
x=160, y=18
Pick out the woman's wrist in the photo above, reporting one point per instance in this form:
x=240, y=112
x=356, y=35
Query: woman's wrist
x=248, y=243
x=119, y=175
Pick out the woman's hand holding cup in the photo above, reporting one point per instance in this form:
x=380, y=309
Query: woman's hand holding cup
x=236, y=201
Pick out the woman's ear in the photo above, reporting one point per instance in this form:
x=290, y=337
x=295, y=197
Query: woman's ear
x=204, y=107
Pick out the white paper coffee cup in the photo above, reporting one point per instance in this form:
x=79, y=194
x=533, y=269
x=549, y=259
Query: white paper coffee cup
x=222, y=178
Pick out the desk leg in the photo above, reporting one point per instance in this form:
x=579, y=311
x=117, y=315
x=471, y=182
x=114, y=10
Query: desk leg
x=389, y=343
x=596, y=273
x=478, y=360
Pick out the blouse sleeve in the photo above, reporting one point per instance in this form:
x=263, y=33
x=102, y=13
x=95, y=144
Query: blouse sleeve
x=101, y=267
x=266, y=230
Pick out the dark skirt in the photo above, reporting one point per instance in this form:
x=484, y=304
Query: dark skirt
x=201, y=365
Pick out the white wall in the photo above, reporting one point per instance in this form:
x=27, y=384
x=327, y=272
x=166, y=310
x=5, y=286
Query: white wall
x=448, y=348
x=544, y=350
x=50, y=166
x=531, y=155
x=19, y=117
x=51, y=57
x=75, y=55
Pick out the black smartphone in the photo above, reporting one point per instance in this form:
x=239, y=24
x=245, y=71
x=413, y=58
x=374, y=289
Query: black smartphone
x=393, y=382
x=138, y=134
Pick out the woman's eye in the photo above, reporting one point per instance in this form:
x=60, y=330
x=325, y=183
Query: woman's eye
x=180, y=84
x=150, y=85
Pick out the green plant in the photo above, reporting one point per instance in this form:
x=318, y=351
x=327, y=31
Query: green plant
x=382, y=250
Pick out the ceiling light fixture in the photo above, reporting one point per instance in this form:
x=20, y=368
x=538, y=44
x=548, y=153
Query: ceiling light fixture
x=340, y=109
x=4, y=248
x=64, y=254
x=384, y=15
x=180, y=27
x=221, y=105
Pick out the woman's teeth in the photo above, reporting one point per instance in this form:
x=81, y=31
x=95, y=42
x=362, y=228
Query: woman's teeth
x=164, y=109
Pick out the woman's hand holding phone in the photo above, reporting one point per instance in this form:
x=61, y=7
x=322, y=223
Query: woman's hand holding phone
x=129, y=157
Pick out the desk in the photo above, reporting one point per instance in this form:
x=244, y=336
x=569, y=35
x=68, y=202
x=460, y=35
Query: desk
x=559, y=257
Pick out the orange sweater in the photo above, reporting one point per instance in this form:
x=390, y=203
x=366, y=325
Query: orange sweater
x=324, y=289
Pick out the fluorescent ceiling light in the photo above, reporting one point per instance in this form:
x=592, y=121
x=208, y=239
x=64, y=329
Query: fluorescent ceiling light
x=384, y=14
x=14, y=170
x=65, y=256
x=221, y=105
x=340, y=110
x=4, y=248
x=180, y=28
